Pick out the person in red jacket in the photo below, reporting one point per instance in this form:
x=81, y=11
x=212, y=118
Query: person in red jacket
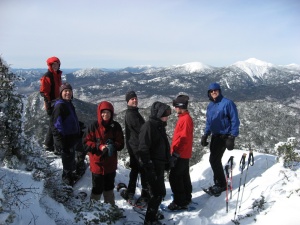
x=181, y=151
x=49, y=90
x=102, y=140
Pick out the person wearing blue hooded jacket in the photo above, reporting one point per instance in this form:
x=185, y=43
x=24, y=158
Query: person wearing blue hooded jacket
x=66, y=132
x=222, y=123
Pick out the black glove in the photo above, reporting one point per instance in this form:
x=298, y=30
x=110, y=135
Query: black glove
x=49, y=111
x=82, y=127
x=150, y=173
x=204, y=140
x=111, y=147
x=104, y=153
x=173, y=159
x=230, y=142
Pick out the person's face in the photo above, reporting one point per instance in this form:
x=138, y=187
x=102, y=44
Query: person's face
x=55, y=66
x=133, y=102
x=164, y=119
x=105, y=114
x=214, y=93
x=67, y=94
x=178, y=110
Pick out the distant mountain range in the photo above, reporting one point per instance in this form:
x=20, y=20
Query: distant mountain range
x=252, y=79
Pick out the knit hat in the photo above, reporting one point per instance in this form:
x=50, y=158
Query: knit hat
x=181, y=101
x=63, y=87
x=130, y=95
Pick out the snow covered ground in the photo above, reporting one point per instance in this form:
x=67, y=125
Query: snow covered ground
x=268, y=182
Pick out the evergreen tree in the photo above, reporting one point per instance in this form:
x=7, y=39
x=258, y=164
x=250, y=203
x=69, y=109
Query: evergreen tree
x=10, y=117
x=290, y=156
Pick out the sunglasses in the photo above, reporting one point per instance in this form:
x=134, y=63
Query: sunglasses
x=213, y=91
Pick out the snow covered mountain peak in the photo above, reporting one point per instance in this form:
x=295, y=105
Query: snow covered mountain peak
x=89, y=72
x=254, y=67
x=193, y=67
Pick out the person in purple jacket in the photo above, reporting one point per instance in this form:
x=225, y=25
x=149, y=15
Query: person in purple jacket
x=66, y=132
x=222, y=123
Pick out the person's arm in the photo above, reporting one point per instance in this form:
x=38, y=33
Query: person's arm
x=234, y=119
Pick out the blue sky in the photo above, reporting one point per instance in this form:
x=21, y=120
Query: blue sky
x=116, y=34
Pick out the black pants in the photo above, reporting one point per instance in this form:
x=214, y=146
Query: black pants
x=68, y=157
x=102, y=183
x=133, y=176
x=158, y=192
x=180, y=182
x=217, y=149
x=49, y=142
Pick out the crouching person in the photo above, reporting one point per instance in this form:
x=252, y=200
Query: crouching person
x=102, y=140
x=66, y=132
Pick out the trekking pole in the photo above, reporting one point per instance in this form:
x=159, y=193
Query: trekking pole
x=231, y=165
x=242, y=166
x=251, y=163
x=228, y=180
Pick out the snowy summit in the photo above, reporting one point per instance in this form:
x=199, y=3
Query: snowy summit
x=254, y=67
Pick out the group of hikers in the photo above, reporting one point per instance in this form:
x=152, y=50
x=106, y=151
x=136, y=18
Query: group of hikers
x=147, y=143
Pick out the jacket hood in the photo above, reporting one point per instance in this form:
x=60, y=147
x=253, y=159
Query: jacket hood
x=159, y=109
x=105, y=105
x=214, y=86
x=52, y=60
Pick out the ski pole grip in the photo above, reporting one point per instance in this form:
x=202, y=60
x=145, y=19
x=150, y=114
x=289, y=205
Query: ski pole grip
x=230, y=160
x=251, y=159
x=242, y=162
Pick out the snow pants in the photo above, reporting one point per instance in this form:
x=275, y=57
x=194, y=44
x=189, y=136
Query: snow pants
x=180, y=182
x=133, y=177
x=217, y=149
x=157, y=190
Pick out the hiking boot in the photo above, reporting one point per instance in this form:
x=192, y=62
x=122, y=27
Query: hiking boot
x=156, y=222
x=127, y=196
x=160, y=215
x=173, y=206
x=141, y=202
x=69, y=177
x=48, y=148
x=56, y=152
x=131, y=199
x=216, y=190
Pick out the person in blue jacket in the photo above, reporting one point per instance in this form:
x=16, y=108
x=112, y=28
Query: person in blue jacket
x=66, y=132
x=222, y=122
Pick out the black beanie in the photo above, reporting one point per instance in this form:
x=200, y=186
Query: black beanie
x=181, y=101
x=130, y=95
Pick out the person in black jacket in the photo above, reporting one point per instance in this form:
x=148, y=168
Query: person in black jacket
x=154, y=156
x=133, y=123
x=66, y=132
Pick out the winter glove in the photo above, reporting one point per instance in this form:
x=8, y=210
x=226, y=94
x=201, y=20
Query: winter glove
x=204, y=140
x=230, y=142
x=173, y=159
x=49, y=111
x=82, y=127
x=104, y=153
x=150, y=172
x=48, y=108
x=110, y=146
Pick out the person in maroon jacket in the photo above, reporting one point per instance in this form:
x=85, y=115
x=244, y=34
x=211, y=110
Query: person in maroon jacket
x=102, y=140
x=49, y=90
x=181, y=150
